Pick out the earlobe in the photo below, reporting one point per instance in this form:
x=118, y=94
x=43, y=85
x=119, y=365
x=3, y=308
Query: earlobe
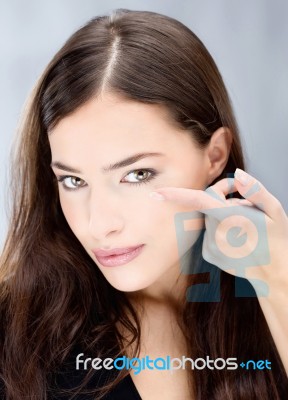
x=218, y=152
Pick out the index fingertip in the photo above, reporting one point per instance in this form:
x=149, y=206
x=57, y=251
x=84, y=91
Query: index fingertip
x=157, y=196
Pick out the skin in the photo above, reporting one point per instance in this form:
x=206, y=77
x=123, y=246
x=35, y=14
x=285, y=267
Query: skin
x=106, y=211
x=269, y=277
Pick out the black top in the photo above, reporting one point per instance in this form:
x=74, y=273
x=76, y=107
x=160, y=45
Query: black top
x=68, y=377
x=125, y=390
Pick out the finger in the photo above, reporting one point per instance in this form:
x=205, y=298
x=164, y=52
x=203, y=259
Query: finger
x=250, y=188
x=222, y=188
x=197, y=200
x=187, y=196
x=225, y=187
x=240, y=202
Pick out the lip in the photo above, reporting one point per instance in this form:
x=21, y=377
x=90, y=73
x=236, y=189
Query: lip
x=117, y=256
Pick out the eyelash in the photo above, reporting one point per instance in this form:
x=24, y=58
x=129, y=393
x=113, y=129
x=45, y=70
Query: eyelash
x=61, y=179
x=152, y=172
x=152, y=175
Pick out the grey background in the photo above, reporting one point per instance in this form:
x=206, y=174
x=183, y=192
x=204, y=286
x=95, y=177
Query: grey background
x=248, y=40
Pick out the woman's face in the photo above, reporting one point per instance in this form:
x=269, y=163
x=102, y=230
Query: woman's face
x=106, y=204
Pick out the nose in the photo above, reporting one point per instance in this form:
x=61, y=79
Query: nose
x=105, y=216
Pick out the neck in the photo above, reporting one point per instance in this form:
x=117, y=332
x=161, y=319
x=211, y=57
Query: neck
x=169, y=294
x=169, y=290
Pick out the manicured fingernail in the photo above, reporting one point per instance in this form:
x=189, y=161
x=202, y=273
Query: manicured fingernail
x=242, y=176
x=156, y=196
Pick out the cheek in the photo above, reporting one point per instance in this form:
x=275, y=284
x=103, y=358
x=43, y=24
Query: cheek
x=172, y=225
x=150, y=211
x=157, y=219
x=73, y=214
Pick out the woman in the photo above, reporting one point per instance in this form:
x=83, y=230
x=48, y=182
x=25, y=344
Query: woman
x=132, y=104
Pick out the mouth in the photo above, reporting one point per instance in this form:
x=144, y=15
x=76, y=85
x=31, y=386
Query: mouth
x=117, y=256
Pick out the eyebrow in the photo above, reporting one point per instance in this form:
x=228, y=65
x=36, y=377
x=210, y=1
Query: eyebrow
x=120, y=164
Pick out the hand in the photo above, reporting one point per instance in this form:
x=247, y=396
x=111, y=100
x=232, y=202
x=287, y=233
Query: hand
x=246, y=237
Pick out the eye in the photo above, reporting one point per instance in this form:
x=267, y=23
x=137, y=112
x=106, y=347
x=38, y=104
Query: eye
x=139, y=176
x=71, y=182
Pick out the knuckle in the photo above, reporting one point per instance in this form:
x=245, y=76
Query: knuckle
x=277, y=206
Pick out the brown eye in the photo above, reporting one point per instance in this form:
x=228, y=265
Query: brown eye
x=76, y=181
x=72, y=182
x=139, y=176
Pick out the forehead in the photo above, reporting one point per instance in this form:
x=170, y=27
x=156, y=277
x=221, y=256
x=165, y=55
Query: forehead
x=108, y=124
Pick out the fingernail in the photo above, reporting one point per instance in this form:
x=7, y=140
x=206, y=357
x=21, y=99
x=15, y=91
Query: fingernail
x=242, y=176
x=156, y=196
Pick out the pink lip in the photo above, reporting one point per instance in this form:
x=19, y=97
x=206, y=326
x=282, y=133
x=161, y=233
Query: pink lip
x=115, y=257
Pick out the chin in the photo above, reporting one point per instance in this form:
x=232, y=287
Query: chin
x=129, y=285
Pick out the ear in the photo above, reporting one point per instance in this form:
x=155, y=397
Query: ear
x=217, y=152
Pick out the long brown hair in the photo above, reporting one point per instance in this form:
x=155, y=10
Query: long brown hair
x=50, y=287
